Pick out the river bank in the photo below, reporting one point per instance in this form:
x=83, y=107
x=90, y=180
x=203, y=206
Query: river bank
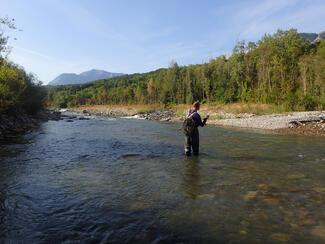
x=18, y=121
x=305, y=123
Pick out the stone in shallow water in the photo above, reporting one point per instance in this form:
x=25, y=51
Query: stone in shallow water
x=319, y=231
x=250, y=195
x=271, y=200
x=206, y=196
x=294, y=226
x=139, y=206
x=244, y=223
x=296, y=176
x=308, y=221
x=263, y=187
x=319, y=189
x=243, y=232
x=280, y=237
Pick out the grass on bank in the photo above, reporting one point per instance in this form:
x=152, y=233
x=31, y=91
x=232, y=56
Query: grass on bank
x=128, y=109
x=233, y=108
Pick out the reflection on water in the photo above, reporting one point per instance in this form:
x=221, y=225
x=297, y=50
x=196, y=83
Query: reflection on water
x=127, y=181
x=191, y=177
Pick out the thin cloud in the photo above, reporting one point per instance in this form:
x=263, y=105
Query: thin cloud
x=263, y=9
x=153, y=35
x=84, y=20
x=42, y=56
x=254, y=20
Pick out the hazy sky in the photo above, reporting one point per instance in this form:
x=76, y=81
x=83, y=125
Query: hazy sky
x=142, y=35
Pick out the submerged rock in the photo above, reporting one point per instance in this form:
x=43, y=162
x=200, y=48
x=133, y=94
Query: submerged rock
x=243, y=232
x=271, y=200
x=319, y=231
x=139, y=205
x=280, y=237
x=250, y=195
x=319, y=189
x=206, y=196
x=296, y=176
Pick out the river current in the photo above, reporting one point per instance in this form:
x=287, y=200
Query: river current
x=127, y=180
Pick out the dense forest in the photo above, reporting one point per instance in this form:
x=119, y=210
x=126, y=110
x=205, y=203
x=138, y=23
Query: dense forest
x=18, y=89
x=283, y=69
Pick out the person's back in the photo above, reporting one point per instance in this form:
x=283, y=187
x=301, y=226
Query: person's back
x=192, y=140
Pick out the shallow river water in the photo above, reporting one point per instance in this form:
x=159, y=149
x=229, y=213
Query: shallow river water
x=125, y=180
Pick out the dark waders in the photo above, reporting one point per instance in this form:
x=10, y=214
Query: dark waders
x=192, y=143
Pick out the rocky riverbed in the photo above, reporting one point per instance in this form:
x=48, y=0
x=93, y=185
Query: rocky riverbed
x=273, y=121
x=306, y=123
x=159, y=115
x=315, y=128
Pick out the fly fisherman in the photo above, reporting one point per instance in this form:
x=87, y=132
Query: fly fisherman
x=191, y=131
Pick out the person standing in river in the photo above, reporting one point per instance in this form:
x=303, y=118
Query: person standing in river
x=192, y=122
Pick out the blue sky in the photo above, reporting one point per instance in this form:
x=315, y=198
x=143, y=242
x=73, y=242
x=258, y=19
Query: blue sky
x=141, y=35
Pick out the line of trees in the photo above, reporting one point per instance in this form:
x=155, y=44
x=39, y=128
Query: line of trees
x=282, y=68
x=18, y=89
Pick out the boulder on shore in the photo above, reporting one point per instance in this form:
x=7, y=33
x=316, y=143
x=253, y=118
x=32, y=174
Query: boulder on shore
x=18, y=121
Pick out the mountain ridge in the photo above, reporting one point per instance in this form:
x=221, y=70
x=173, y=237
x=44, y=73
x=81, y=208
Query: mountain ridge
x=83, y=77
x=313, y=37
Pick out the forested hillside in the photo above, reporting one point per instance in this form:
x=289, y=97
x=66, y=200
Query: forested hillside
x=18, y=90
x=282, y=68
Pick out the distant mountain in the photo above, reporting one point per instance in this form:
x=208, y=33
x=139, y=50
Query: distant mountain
x=313, y=37
x=84, y=77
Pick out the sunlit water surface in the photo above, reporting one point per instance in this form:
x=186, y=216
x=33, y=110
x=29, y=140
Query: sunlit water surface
x=126, y=180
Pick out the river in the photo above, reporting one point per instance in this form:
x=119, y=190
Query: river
x=126, y=180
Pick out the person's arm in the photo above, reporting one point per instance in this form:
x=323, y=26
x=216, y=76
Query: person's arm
x=200, y=122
